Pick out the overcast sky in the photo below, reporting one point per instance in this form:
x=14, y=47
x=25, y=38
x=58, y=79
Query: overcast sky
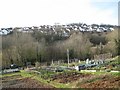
x=14, y=13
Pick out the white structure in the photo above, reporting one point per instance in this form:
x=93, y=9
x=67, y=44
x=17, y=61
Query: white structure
x=77, y=68
x=87, y=61
x=4, y=32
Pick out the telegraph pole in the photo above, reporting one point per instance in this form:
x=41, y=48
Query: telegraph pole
x=68, y=56
x=101, y=52
x=37, y=51
x=101, y=48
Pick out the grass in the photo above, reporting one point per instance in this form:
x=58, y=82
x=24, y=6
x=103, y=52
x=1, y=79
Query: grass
x=10, y=74
x=61, y=85
x=26, y=74
x=46, y=74
x=68, y=85
x=101, y=73
x=115, y=73
x=38, y=77
x=55, y=83
x=44, y=77
x=44, y=81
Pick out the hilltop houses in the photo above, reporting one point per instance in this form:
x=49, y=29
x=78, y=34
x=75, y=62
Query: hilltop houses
x=6, y=31
x=63, y=30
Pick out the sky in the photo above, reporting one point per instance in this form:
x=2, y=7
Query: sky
x=22, y=13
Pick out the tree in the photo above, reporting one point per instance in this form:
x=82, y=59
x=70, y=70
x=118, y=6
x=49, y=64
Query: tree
x=113, y=42
x=78, y=45
x=96, y=39
x=118, y=46
x=18, y=48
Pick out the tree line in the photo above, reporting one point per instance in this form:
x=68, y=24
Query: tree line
x=19, y=48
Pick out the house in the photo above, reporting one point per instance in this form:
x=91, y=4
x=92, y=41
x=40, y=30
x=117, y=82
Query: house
x=20, y=29
x=111, y=29
x=4, y=32
x=1, y=33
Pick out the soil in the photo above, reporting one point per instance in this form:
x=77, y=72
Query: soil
x=68, y=77
x=11, y=77
x=20, y=82
x=86, y=81
x=105, y=82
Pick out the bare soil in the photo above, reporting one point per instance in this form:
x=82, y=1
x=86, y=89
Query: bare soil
x=69, y=77
x=84, y=81
x=20, y=82
x=88, y=80
x=105, y=82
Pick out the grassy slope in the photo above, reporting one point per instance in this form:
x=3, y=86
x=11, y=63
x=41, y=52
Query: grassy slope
x=37, y=77
x=60, y=85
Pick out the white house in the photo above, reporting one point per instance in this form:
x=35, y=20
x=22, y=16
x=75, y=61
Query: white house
x=1, y=33
x=4, y=32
